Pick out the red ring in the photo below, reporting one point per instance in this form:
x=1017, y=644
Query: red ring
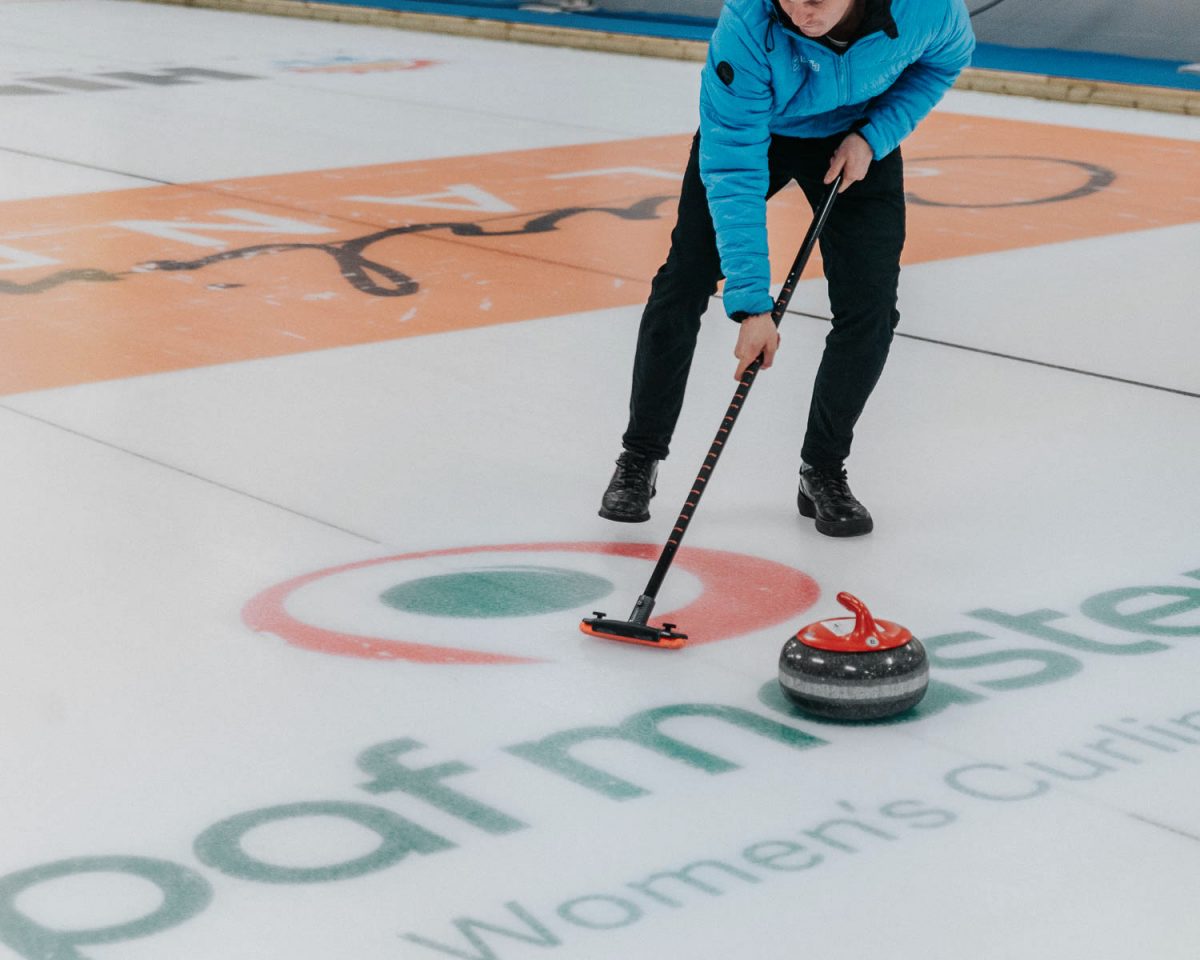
x=742, y=594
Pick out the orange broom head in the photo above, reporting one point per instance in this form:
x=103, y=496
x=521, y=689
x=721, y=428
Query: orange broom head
x=628, y=631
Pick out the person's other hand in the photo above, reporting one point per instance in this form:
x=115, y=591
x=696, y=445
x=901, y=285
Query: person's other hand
x=851, y=159
x=758, y=335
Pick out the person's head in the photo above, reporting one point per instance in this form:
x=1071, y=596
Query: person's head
x=815, y=18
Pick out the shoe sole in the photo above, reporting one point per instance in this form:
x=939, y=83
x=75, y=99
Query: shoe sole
x=833, y=528
x=627, y=517
x=624, y=517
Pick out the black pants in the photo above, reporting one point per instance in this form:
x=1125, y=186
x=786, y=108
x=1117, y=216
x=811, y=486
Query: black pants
x=860, y=247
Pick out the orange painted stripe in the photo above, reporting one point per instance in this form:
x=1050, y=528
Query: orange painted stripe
x=528, y=238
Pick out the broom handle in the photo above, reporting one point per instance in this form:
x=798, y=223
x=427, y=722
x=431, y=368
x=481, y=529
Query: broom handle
x=739, y=397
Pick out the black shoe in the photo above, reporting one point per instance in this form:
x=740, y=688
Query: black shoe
x=824, y=494
x=627, y=499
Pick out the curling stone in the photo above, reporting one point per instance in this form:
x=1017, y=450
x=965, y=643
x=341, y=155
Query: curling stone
x=854, y=668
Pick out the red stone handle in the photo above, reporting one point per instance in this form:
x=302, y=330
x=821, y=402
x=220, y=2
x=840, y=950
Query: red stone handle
x=865, y=629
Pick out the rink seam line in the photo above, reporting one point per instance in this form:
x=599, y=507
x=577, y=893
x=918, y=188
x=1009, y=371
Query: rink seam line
x=87, y=166
x=188, y=473
x=535, y=259
x=212, y=187
x=1037, y=363
x=1165, y=826
x=215, y=188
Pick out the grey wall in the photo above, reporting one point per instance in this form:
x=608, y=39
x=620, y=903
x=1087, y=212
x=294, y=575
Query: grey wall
x=687, y=8
x=1158, y=29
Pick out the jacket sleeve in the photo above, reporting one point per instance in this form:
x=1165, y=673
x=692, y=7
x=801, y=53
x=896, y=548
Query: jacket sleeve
x=894, y=114
x=735, y=109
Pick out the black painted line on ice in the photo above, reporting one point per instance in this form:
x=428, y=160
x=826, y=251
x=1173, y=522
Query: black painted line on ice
x=531, y=257
x=210, y=187
x=86, y=166
x=216, y=191
x=1029, y=360
x=190, y=474
x=1164, y=826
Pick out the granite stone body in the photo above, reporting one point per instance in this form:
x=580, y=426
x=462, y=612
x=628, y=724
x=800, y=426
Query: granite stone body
x=868, y=685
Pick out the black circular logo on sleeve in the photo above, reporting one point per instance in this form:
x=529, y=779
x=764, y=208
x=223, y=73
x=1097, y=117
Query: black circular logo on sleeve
x=725, y=72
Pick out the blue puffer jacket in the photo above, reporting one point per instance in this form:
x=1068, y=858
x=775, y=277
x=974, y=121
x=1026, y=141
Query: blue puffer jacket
x=764, y=77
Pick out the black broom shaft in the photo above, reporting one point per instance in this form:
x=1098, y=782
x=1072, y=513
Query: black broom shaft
x=739, y=396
